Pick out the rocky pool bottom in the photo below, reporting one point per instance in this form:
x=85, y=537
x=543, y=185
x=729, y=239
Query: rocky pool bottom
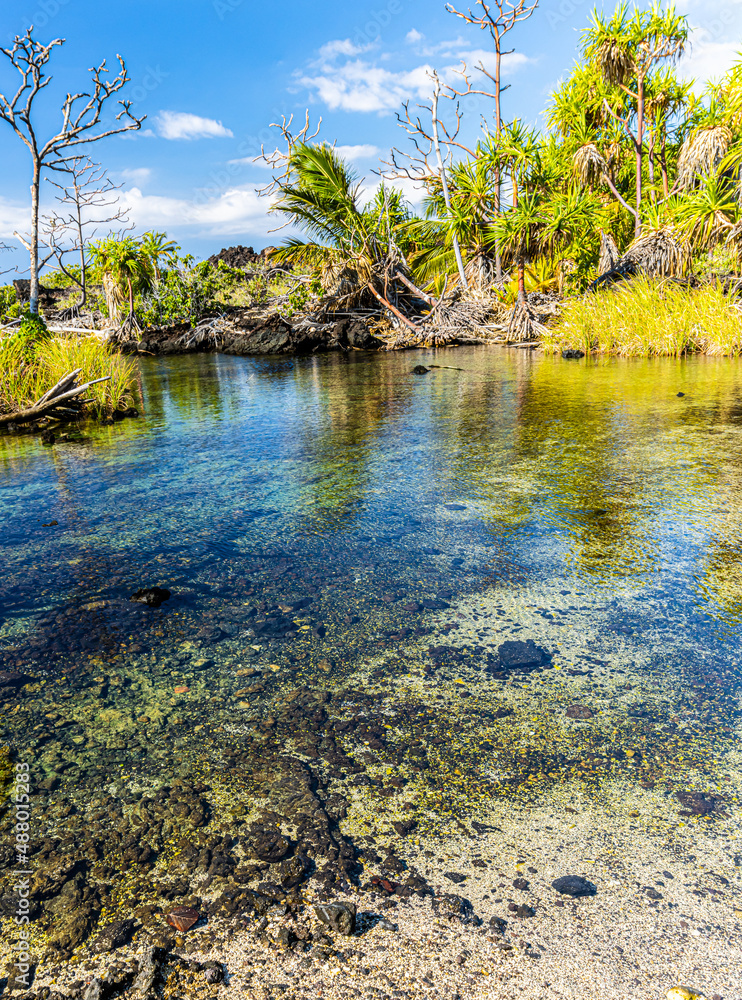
x=439, y=787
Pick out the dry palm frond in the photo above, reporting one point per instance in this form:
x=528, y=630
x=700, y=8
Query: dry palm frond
x=609, y=255
x=346, y=282
x=701, y=153
x=116, y=301
x=480, y=272
x=589, y=164
x=523, y=324
x=615, y=61
x=659, y=252
x=734, y=236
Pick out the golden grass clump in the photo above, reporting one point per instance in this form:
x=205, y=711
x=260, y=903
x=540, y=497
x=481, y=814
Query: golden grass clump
x=645, y=318
x=25, y=375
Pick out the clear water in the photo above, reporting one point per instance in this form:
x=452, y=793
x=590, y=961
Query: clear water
x=593, y=507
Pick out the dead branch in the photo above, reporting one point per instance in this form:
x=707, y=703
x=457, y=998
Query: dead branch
x=51, y=400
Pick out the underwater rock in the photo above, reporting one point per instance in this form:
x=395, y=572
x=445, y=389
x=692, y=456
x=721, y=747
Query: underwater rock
x=115, y=935
x=521, y=883
x=573, y=353
x=153, y=597
x=420, y=370
x=271, y=846
x=454, y=506
x=339, y=917
x=523, y=910
x=515, y=654
x=698, y=803
x=455, y=877
x=454, y=907
x=579, y=712
x=574, y=885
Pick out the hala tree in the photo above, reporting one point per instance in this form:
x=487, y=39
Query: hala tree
x=627, y=48
x=82, y=122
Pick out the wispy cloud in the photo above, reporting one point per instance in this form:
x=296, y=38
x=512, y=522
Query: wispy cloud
x=13, y=218
x=183, y=125
x=234, y=210
x=365, y=151
x=342, y=81
x=134, y=175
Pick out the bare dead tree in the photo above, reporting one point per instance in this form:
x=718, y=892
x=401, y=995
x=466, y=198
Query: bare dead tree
x=498, y=18
x=86, y=196
x=279, y=159
x=430, y=138
x=82, y=115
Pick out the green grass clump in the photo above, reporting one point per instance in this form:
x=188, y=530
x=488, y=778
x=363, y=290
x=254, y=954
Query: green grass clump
x=645, y=318
x=26, y=374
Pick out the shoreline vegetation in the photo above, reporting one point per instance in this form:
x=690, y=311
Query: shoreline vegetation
x=617, y=230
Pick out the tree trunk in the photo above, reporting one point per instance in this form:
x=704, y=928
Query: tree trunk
x=33, y=304
x=639, y=152
x=444, y=184
x=83, y=262
x=522, y=280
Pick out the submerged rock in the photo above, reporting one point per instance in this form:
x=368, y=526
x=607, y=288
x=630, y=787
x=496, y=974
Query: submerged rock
x=573, y=353
x=574, y=885
x=153, y=597
x=515, y=654
x=340, y=917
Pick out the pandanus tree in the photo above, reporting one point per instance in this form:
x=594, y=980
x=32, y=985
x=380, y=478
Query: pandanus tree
x=125, y=269
x=627, y=48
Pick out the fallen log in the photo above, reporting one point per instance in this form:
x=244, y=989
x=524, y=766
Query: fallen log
x=51, y=400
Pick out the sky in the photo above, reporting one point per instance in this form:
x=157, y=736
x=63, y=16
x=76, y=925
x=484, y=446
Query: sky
x=212, y=75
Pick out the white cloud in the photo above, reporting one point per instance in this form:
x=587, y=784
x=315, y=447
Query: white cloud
x=134, y=175
x=343, y=82
x=714, y=39
x=361, y=86
x=365, y=151
x=413, y=37
x=183, y=125
x=233, y=210
x=13, y=218
x=341, y=47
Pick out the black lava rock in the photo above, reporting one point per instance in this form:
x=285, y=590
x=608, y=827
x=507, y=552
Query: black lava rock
x=574, y=885
x=455, y=877
x=153, y=597
x=340, y=917
x=114, y=936
x=515, y=654
x=420, y=370
x=573, y=353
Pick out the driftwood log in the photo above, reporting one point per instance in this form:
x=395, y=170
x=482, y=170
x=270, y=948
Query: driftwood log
x=52, y=403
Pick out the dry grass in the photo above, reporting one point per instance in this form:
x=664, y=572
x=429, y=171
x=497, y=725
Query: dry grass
x=644, y=318
x=25, y=377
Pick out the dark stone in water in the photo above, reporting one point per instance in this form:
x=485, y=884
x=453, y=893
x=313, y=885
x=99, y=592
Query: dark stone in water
x=455, y=877
x=420, y=370
x=454, y=506
x=153, y=597
x=574, y=885
x=681, y=394
x=454, y=907
x=579, y=712
x=515, y=654
x=271, y=846
x=48, y=437
x=698, y=803
x=521, y=883
x=339, y=917
x=114, y=936
x=524, y=910
x=12, y=679
x=573, y=353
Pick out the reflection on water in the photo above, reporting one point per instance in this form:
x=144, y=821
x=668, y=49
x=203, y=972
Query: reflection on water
x=598, y=470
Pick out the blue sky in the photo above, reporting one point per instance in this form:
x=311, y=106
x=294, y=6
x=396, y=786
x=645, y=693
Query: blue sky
x=211, y=75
